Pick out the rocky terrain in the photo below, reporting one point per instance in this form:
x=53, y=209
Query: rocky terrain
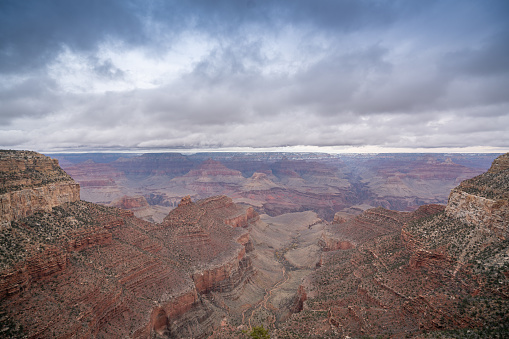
x=216, y=268
x=435, y=272
x=31, y=182
x=274, y=183
x=80, y=269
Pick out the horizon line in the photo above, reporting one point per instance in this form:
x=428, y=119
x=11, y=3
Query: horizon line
x=284, y=149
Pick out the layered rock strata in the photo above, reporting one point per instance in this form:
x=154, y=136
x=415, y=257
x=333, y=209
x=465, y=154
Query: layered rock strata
x=372, y=223
x=135, y=278
x=483, y=201
x=31, y=182
x=85, y=270
x=440, y=272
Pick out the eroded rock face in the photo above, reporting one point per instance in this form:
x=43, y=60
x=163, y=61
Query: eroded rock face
x=483, y=201
x=444, y=269
x=31, y=182
x=25, y=202
x=126, y=277
x=115, y=275
x=480, y=211
x=130, y=203
x=369, y=225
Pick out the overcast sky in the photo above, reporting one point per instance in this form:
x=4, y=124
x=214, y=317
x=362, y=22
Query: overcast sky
x=240, y=74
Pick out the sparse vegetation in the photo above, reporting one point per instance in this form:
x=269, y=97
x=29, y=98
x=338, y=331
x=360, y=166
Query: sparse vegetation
x=259, y=332
x=25, y=169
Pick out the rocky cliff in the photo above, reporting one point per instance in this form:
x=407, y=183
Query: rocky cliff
x=483, y=201
x=439, y=272
x=115, y=275
x=31, y=182
x=84, y=270
x=369, y=225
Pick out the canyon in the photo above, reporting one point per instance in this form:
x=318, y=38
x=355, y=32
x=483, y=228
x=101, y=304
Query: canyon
x=80, y=269
x=440, y=271
x=211, y=245
x=273, y=183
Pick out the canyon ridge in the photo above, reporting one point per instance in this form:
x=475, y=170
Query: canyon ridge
x=272, y=183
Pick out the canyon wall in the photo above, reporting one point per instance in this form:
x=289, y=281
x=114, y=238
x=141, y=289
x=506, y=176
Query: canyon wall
x=129, y=278
x=31, y=182
x=110, y=273
x=25, y=202
x=440, y=272
x=483, y=201
x=480, y=212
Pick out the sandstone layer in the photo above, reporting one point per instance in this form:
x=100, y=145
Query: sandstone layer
x=31, y=182
x=483, y=201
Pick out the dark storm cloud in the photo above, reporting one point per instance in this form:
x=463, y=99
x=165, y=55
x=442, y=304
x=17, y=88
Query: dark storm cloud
x=488, y=59
x=33, y=32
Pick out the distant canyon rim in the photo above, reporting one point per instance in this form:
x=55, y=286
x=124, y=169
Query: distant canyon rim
x=273, y=183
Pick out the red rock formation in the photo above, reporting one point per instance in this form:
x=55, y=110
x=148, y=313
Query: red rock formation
x=439, y=272
x=130, y=203
x=91, y=238
x=371, y=224
x=185, y=201
x=92, y=174
x=31, y=182
x=167, y=164
x=212, y=168
x=19, y=277
x=112, y=274
x=243, y=219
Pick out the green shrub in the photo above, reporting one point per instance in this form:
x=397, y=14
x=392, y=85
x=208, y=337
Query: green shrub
x=259, y=332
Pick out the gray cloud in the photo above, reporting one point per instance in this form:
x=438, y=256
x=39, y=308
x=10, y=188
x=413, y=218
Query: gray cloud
x=253, y=74
x=107, y=69
x=34, y=97
x=34, y=32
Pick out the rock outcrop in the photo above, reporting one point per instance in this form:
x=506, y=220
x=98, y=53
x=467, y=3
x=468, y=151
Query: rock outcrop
x=369, y=225
x=31, y=182
x=483, y=201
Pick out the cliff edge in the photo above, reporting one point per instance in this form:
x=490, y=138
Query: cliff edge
x=31, y=182
x=484, y=200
